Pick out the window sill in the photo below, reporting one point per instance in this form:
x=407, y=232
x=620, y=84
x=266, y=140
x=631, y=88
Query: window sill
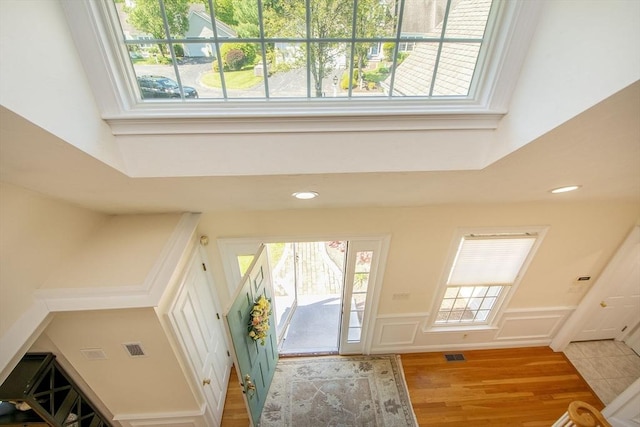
x=280, y=120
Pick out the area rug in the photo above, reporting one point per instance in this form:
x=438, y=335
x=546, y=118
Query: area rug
x=338, y=391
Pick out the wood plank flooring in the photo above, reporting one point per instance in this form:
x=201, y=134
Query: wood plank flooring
x=234, y=413
x=505, y=387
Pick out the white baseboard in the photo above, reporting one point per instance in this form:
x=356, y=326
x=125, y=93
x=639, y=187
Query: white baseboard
x=165, y=419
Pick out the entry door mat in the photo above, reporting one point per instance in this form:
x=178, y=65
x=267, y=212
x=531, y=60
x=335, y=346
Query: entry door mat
x=344, y=391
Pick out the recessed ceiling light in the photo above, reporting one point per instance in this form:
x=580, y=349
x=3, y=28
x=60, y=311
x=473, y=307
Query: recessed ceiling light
x=565, y=189
x=305, y=195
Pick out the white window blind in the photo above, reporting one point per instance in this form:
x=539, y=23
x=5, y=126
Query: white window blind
x=490, y=260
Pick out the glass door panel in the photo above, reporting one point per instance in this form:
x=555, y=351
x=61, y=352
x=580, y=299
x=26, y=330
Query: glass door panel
x=284, y=273
x=359, y=294
x=244, y=261
x=359, y=280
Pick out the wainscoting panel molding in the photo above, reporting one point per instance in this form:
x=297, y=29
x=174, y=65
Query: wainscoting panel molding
x=398, y=333
x=407, y=333
x=529, y=325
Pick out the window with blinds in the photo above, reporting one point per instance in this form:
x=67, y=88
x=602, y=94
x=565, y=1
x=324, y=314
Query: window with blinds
x=484, y=269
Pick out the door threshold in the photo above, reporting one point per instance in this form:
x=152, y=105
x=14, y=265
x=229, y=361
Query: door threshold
x=310, y=354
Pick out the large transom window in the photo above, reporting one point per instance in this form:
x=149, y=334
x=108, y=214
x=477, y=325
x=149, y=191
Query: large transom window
x=303, y=49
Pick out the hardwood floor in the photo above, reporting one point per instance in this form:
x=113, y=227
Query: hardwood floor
x=504, y=387
x=235, y=412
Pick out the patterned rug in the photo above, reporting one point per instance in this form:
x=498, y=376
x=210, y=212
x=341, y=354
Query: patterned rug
x=339, y=391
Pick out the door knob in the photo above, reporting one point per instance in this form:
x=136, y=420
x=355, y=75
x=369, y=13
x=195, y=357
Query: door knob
x=603, y=304
x=206, y=381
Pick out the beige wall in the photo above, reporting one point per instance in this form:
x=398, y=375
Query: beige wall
x=581, y=239
x=126, y=385
x=122, y=253
x=36, y=234
x=50, y=244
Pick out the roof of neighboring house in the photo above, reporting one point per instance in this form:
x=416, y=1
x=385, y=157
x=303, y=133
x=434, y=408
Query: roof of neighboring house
x=457, y=60
x=132, y=32
x=200, y=11
x=421, y=15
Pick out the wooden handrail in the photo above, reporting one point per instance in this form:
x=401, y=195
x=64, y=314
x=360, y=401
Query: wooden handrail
x=584, y=415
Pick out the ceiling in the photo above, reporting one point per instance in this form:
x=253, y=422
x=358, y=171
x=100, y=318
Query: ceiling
x=598, y=149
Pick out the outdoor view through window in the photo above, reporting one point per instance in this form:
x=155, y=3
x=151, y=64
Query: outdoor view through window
x=302, y=49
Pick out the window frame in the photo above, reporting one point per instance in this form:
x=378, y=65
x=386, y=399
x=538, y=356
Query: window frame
x=113, y=84
x=507, y=291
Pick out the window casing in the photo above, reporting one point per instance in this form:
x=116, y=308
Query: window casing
x=313, y=48
x=99, y=39
x=482, y=275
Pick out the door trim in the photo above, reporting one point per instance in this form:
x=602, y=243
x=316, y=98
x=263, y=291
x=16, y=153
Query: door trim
x=170, y=313
x=599, y=291
x=230, y=247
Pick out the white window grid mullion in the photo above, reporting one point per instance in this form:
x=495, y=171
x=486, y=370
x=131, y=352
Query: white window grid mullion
x=475, y=311
x=262, y=40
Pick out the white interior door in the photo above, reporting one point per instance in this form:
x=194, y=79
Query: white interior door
x=616, y=314
x=200, y=327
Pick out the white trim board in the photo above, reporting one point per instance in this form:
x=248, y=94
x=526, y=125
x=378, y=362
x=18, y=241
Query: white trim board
x=173, y=419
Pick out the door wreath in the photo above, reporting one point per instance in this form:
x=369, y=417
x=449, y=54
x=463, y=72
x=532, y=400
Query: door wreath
x=259, y=321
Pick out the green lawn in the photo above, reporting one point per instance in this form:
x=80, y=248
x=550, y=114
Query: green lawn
x=243, y=79
x=151, y=60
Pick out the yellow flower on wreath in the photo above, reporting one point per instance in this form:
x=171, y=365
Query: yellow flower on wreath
x=259, y=321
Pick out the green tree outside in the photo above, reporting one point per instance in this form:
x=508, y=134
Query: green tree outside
x=146, y=16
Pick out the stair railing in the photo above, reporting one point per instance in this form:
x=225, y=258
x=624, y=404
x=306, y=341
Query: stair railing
x=581, y=414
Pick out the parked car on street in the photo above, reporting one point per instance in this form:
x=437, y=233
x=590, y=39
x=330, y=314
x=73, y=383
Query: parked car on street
x=163, y=87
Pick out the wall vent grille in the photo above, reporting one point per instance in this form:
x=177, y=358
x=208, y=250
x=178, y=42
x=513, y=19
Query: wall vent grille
x=134, y=349
x=93, y=353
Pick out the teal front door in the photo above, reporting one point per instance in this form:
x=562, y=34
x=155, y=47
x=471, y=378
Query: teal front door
x=255, y=358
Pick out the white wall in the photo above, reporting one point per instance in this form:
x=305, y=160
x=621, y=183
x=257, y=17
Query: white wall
x=579, y=56
x=582, y=53
x=43, y=79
